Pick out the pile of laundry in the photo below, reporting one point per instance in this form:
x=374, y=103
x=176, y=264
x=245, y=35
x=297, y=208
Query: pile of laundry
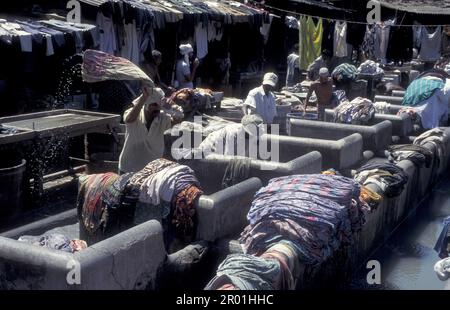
x=107, y=202
x=297, y=88
x=56, y=242
x=388, y=177
x=382, y=107
x=420, y=90
x=370, y=67
x=316, y=213
x=428, y=97
x=436, y=138
x=442, y=247
x=359, y=111
x=344, y=72
x=417, y=154
x=7, y=130
x=193, y=99
x=415, y=117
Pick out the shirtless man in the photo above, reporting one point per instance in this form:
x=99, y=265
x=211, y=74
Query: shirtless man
x=323, y=87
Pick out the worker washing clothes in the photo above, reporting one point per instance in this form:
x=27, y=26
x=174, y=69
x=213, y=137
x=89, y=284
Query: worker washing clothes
x=323, y=61
x=293, y=67
x=151, y=68
x=145, y=127
x=261, y=100
x=343, y=76
x=185, y=71
x=323, y=88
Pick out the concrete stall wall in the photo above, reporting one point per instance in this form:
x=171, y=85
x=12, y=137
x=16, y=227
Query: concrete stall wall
x=264, y=170
x=376, y=137
x=402, y=125
x=119, y=262
x=341, y=154
x=382, y=221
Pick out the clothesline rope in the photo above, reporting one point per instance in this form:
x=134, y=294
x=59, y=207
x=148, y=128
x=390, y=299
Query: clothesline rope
x=265, y=7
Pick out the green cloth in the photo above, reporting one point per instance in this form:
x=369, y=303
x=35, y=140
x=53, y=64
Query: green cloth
x=421, y=89
x=310, y=41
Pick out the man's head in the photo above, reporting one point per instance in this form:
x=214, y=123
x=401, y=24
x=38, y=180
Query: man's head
x=153, y=103
x=156, y=57
x=186, y=50
x=324, y=74
x=270, y=80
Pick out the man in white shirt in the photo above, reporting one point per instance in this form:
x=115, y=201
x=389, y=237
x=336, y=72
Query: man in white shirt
x=145, y=127
x=261, y=100
x=184, y=73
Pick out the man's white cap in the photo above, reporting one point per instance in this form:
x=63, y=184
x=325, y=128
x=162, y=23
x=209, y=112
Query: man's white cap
x=324, y=72
x=185, y=49
x=270, y=79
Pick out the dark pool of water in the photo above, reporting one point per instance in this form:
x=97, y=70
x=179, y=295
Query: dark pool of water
x=408, y=258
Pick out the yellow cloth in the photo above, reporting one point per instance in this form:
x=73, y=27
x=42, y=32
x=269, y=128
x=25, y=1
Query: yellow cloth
x=310, y=41
x=141, y=145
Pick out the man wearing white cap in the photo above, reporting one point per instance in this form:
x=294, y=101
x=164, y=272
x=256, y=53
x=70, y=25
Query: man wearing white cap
x=145, y=126
x=323, y=88
x=184, y=73
x=261, y=100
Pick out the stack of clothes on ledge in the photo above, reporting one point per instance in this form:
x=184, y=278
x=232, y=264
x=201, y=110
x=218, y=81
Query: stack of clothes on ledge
x=389, y=178
x=359, y=111
x=55, y=241
x=108, y=203
x=193, y=100
x=293, y=221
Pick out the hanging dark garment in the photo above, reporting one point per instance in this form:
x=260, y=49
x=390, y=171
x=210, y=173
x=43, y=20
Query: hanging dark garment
x=400, y=44
x=328, y=35
x=355, y=34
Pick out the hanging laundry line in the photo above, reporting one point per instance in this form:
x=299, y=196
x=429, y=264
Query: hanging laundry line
x=265, y=7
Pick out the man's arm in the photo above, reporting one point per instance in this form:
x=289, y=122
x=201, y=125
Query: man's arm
x=310, y=90
x=132, y=116
x=191, y=75
x=249, y=105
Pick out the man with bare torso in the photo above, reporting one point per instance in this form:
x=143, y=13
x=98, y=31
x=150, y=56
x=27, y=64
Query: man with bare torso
x=323, y=88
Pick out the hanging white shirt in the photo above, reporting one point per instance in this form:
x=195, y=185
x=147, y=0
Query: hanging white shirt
x=264, y=105
x=340, y=39
x=201, y=39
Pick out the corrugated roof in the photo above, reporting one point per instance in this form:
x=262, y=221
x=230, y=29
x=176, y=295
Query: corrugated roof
x=96, y=3
x=320, y=4
x=434, y=7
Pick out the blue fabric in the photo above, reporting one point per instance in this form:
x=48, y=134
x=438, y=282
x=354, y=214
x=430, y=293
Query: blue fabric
x=248, y=272
x=441, y=243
